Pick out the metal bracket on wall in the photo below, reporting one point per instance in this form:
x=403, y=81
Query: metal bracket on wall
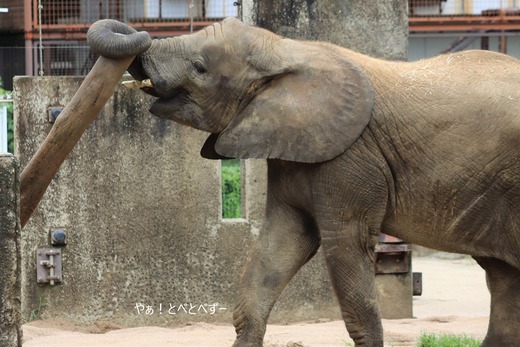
x=48, y=266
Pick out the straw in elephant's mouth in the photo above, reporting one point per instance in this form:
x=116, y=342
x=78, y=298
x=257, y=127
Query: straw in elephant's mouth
x=134, y=84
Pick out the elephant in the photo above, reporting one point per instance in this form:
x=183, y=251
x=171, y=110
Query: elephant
x=427, y=151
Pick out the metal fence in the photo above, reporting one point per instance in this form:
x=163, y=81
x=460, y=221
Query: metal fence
x=70, y=13
x=59, y=58
x=59, y=28
x=66, y=58
x=21, y=15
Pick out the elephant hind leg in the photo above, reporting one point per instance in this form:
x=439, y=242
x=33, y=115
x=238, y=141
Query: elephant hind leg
x=504, y=285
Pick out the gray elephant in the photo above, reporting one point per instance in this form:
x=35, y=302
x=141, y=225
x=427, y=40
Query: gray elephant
x=427, y=151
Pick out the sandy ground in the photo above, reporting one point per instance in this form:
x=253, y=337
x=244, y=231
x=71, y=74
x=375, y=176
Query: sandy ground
x=454, y=300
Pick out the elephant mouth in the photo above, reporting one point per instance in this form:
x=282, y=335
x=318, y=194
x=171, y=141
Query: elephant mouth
x=174, y=104
x=146, y=85
x=153, y=89
x=166, y=107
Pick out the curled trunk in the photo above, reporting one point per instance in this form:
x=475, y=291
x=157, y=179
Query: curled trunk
x=113, y=39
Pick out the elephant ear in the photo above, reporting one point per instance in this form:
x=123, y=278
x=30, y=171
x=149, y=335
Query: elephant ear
x=315, y=104
x=208, y=149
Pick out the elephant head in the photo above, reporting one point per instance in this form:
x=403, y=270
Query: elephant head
x=258, y=94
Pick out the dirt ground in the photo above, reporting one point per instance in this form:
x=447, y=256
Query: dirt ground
x=454, y=300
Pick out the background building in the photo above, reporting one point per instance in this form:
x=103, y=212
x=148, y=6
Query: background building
x=60, y=27
x=441, y=26
x=48, y=36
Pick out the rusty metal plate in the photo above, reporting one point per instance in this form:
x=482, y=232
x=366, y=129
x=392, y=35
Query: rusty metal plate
x=48, y=266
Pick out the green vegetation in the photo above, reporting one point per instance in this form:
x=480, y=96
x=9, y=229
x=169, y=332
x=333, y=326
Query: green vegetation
x=448, y=340
x=37, y=312
x=231, y=192
x=10, y=127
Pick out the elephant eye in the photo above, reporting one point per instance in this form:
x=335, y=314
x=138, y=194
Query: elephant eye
x=199, y=66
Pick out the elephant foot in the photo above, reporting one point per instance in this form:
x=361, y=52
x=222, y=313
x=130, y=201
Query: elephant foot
x=244, y=343
x=372, y=342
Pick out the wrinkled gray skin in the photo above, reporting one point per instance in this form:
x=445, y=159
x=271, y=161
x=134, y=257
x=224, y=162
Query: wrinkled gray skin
x=425, y=151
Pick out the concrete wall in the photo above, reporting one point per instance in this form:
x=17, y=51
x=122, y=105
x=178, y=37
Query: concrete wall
x=142, y=208
x=10, y=322
x=376, y=28
x=142, y=213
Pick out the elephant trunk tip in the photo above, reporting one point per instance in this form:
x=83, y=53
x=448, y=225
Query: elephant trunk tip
x=113, y=39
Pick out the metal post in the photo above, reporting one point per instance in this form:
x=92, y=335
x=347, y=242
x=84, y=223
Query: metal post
x=40, y=7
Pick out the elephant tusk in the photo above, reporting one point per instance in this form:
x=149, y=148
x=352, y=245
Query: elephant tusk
x=137, y=84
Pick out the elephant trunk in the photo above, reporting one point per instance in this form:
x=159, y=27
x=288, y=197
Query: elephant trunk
x=113, y=39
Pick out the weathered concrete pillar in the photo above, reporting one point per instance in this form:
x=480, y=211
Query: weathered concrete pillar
x=375, y=28
x=10, y=321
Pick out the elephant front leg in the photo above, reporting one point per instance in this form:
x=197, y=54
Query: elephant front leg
x=286, y=242
x=351, y=266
